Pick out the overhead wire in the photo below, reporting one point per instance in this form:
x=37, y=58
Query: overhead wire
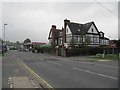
x=106, y=8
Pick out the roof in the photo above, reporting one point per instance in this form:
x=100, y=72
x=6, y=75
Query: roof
x=36, y=43
x=57, y=33
x=105, y=38
x=77, y=28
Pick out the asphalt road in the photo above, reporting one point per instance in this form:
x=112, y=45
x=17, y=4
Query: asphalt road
x=61, y=73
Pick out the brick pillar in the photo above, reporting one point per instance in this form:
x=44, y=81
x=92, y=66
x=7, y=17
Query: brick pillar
x=64, y=37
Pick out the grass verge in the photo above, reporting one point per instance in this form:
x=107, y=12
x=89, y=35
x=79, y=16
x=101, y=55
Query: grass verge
x=106, y=57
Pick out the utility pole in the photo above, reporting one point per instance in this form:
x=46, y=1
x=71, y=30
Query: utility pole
x=4, y=32
x=4, y=44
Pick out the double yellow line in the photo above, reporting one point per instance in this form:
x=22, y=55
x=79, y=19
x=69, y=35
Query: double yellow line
x=36, y=75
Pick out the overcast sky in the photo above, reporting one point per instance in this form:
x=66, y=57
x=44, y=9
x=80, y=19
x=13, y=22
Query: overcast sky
x=34, y=19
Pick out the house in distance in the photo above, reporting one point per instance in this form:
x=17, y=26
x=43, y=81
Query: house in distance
x=77, y=35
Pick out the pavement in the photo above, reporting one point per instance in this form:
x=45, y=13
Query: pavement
x=0, y=71
x=75, y=58
x=20, y=82
x=14, y=75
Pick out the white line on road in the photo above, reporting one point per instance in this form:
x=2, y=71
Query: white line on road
x=103, y=60
x=42, y=59
x=10, y=82
x=54, y=63
x=95, y=73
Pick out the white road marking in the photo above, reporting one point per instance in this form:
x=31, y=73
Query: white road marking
x=10, y=82
x=54, y=63
x=103, y=60
x=33, y=82
x=42, y=59
x=107, y=76
x=95, y=73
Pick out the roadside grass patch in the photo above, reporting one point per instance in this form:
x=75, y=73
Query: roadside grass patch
x=107, y=56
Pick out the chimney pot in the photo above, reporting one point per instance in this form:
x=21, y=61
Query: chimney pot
x=53, y=26
x=66, y=20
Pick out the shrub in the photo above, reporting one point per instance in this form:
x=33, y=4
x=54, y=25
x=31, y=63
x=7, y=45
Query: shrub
x=42, y=49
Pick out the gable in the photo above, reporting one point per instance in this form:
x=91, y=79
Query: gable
x=92, y=29
x=50, y=34
x=68, y=31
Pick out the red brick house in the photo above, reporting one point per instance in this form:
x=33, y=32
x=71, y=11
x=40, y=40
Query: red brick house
x=76, y=34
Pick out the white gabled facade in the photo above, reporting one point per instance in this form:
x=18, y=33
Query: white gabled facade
x=68, y=31
x=91, y=37
x=92, y=29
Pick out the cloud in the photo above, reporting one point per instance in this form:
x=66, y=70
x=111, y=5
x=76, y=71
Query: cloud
x=34, y=20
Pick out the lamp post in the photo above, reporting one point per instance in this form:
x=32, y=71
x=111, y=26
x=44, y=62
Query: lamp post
x=4, y=32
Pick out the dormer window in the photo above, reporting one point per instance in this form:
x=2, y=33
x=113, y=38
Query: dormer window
x=78, y=30
x=101, y=34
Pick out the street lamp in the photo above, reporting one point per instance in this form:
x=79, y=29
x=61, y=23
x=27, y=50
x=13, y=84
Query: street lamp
x=4, y=32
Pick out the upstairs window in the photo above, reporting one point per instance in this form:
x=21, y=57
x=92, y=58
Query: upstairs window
x=92, y=30
x=67, y=30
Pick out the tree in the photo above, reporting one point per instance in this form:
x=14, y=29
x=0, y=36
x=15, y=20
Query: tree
x=118, y=43
x=27, y=40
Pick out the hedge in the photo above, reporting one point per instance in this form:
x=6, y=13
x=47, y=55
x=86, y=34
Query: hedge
x=84, y=51
x=42, y=49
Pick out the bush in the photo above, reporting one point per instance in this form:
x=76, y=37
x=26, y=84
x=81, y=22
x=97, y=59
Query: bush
x=42, y=49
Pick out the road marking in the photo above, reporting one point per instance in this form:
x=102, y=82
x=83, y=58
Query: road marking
x=103, y=60
x=94, y=73
x=10, y=82
x=33, y=82
x=36, y=75
x=42, y=59
x=55, y=63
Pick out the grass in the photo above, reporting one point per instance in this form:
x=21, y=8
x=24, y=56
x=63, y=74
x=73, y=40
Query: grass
x=107, y=56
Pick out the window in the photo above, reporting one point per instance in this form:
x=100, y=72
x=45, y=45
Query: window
x=67, y=30
x=92, y=29
x=78, y=30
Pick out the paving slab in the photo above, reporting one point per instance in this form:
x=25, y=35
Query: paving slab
x=21, y=82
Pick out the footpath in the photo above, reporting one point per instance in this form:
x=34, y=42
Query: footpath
x=0, y=71
x=14, y=75
x=75, y=58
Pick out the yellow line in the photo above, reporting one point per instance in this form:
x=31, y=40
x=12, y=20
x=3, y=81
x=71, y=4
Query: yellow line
x=48, y=85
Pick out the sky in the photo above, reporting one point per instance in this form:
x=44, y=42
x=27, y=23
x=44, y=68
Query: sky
x=34, y=19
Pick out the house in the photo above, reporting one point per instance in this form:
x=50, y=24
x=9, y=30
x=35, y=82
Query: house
x=76, y=35
x=1, y=41
x=55, y=36
x=103, y=40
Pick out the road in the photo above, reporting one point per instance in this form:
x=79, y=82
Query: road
x=61, y=73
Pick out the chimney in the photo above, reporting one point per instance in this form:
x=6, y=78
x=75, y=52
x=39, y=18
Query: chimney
x=64, y=32
x=66, y=22
x=53, y=29
x=53, y=26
